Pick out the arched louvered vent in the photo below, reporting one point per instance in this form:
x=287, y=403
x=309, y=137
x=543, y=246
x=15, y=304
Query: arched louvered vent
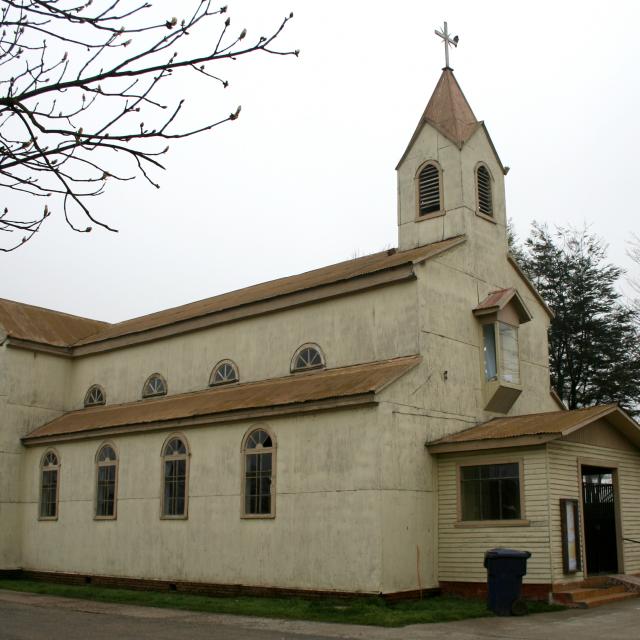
x=429, y=190
x=485, y=196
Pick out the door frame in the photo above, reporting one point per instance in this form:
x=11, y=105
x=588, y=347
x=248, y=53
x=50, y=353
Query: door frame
x=613, y=466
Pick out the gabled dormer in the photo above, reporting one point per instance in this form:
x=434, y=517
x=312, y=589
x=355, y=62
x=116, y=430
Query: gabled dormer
x=450, y=178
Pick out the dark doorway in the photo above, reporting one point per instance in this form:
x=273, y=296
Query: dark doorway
x=599, y=509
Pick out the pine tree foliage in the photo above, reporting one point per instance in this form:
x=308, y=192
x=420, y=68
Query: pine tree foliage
x=594, y=340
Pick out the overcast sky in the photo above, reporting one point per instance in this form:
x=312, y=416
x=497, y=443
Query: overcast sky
x=305, y=177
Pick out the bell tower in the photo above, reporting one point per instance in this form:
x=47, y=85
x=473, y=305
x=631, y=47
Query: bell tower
x=450, y=178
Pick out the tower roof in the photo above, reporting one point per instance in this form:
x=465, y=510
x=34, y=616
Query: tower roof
x=448, y=110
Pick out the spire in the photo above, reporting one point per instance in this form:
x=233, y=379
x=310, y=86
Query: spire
x=448, y=110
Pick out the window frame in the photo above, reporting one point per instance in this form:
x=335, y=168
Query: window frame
x=298, y=351
x=163, y=458
x=480, y=214
x=155, y=395
x=494, y=323
x=99, y=465
x=416, y=184
x=88, y=404
x=212, y=383
x=41, y=469
x=487, y=461
x=243, y=467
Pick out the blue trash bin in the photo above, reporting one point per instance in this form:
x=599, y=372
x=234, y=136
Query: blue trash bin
x=505, y=568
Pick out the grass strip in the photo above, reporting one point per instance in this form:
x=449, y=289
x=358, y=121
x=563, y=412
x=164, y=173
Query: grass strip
x=366, y=610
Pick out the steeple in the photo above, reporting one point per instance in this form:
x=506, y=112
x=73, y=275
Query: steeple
x=448, y=110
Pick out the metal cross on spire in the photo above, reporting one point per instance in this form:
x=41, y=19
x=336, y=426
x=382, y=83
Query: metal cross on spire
x=448, y=41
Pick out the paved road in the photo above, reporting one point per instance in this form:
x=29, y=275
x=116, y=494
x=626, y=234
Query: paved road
x=25, y=616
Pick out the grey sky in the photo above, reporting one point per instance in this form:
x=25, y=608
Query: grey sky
x=305, y=177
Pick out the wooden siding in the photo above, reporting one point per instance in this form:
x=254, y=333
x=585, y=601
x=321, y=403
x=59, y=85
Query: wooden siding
x=461, y=548
x=564, y=458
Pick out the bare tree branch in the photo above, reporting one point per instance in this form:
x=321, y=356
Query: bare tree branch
x=79, y=85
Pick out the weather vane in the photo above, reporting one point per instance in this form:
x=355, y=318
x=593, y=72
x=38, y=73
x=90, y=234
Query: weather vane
x=448, y=41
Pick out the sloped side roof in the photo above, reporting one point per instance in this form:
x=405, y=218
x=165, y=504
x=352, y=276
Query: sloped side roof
x=288, y=391
x=26, y=322
x=497, y=300
x=541, y=427
x=282, y=286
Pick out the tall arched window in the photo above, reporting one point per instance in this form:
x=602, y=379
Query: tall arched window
x=258, y=453
x=308, y=356
x=224, y=372
x=95, y=395
x=484, y=190
x=429, y=197
x=106, y=481
x=49, y=486
x=154, y=386
x=175, y=475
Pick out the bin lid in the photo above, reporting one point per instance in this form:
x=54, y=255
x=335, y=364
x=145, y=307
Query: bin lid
x=501, y=552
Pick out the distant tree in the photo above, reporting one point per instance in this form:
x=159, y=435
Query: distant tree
x=634, y=254
x=79, y=99
x=594, y=339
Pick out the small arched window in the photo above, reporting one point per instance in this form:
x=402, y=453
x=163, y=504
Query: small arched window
x=106, y=479
x=224, y=372
x=154, y=386
x=429, y=200
x=49, y=486
x=175, y=474
x=259, y=464
x=95, y=396
x=308, y=356
x=485, y=193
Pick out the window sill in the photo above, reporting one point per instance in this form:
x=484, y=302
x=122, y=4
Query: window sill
x=258, y=516
x=430, y=216
x=471, y=524
x=484, y=216
x=47, y=519
x=104, y=518
x=185, y=517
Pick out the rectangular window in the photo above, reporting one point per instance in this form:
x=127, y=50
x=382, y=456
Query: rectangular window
x=106, y=495
x=510, y=371
x=49, y=494
x=257, y=488
x=490, y=492
x=490, y=362
x=175, y=485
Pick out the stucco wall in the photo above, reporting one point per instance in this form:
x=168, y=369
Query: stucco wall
x=326, y=533
x=363, y=327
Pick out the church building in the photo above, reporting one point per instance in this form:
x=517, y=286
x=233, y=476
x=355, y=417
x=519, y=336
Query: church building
x=370, y=427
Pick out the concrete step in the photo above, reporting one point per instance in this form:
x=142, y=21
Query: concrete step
x=597, y=601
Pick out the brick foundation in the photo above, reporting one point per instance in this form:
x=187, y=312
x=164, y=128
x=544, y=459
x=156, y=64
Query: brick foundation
x=479, y=590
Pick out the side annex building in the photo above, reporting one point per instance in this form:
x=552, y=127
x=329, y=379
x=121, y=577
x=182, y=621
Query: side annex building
x=373, y=426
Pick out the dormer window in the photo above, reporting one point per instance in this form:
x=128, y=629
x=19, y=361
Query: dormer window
x=429, y=191
x=484, y=191
x=501, y=313
x=154, y=386
x=94, y=396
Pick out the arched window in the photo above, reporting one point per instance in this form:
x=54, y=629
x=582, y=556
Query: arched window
x=49, y=486
x=259, y=463
x=94, y=396
x=154, y=386
x=175, y=474
x=224, y=372
x=485, y=194
x=308, y=356
x=106, y=479
x=429, y=200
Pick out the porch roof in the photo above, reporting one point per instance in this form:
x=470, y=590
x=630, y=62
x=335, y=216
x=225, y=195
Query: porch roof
x=535, y=428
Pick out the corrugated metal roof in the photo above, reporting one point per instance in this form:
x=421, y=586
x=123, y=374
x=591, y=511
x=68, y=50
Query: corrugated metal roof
x=497, y=300
x=282, y=286
x=26, y=322
x=543, y=426
x=289, y=390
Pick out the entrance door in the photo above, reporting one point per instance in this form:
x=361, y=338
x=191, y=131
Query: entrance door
x=599, y=509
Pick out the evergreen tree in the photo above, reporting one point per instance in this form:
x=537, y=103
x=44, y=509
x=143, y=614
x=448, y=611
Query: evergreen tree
x=594, y=339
